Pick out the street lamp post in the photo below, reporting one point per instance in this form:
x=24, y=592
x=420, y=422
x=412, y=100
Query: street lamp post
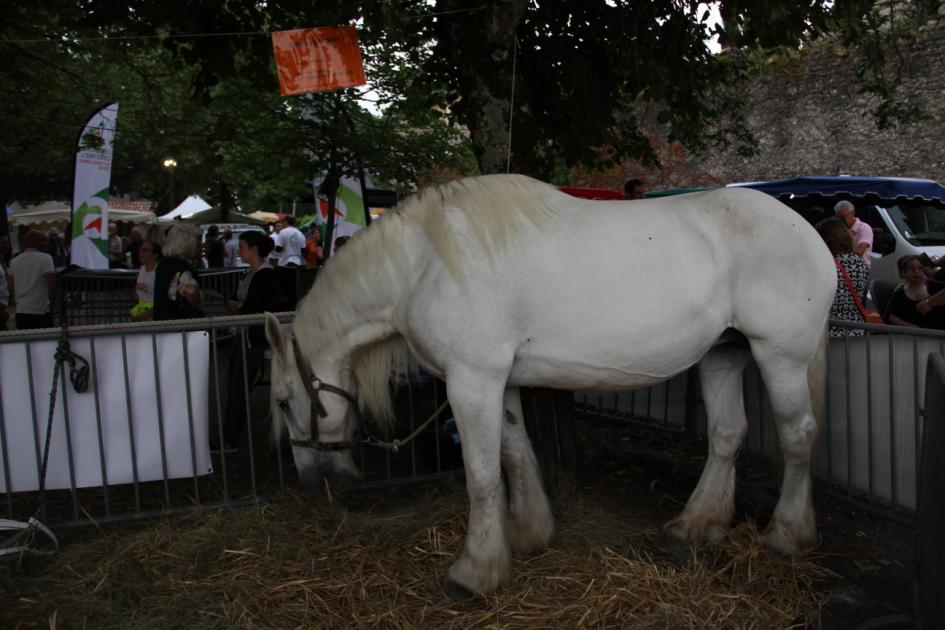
x=170, y=164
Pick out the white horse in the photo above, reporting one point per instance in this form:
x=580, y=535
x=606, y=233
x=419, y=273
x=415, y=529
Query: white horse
x=500, y=282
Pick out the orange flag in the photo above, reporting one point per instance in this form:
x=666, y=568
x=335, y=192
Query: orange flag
x=317, y=59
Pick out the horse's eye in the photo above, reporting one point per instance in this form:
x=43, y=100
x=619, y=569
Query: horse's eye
x=283, y=405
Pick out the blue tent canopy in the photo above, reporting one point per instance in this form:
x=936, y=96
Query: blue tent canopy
x=891, y=188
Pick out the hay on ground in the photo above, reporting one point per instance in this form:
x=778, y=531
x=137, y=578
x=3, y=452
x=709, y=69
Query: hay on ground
x=379, y=564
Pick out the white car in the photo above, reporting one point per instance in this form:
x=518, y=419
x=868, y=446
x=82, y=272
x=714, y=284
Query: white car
x=907, y=215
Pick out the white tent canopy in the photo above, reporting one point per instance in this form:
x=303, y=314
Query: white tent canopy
x=46, y=206
x=264, y=217
x=58, y=214
x=190, y=206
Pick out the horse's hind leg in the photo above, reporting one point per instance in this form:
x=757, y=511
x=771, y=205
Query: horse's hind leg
x=793, y=527
x=711, y=505
x=530, y=522
x=476, y=400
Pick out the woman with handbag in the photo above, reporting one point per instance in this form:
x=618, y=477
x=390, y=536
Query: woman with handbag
x=852, y=273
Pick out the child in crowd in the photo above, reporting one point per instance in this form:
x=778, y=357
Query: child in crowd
x=902, y=309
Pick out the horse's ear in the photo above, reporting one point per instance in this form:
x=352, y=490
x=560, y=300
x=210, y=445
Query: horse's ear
x=274, y=334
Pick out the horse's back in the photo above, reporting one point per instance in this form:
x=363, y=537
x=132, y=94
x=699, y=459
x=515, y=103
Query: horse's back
x=733, y=246
x=630, y=293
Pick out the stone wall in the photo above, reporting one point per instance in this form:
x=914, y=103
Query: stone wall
x=810, y=119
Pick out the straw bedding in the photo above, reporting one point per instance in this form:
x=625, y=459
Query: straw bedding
x=377, y=562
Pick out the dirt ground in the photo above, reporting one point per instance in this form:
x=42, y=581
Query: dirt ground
x=632, y=481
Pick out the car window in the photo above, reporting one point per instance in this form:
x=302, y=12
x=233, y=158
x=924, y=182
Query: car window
x=920, y=224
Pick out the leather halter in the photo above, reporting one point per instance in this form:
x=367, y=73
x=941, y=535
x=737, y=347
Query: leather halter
x=313, y=385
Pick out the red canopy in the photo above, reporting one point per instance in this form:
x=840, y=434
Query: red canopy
x=592, y=193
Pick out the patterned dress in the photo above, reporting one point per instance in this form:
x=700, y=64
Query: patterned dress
x=844, y=307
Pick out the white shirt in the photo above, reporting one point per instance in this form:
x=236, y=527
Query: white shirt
x=144, y=285
x=292, y=241
x=232, y=248
x=861, y=232
x=29, y=270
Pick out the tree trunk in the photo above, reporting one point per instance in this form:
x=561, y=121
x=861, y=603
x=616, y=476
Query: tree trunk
x=226, y=203
x=329, y=188
x=481, y=44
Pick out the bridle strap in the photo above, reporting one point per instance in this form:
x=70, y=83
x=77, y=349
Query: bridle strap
x=313, y=385
x=309, y=381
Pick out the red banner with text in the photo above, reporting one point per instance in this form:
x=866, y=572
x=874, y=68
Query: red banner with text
x=317, y=59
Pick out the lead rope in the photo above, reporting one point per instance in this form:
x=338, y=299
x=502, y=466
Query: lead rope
x=395, y=445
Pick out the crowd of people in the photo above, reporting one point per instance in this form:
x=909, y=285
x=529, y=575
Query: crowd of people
x=168, y=287
x=918, y=301
x=165, y=289
x=294, y=248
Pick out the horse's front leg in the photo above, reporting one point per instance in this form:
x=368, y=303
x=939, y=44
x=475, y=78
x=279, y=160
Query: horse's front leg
x=530, y=521
x=476, y=400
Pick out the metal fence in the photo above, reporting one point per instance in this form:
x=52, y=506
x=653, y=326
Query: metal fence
x=137, y=443
x=868, y=452
x=106, y=297
x=929, y=576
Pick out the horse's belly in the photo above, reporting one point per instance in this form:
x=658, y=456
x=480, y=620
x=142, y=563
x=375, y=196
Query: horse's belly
x=586, y=373
x=575, y=377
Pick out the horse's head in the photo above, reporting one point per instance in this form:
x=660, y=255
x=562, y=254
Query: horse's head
x=317, y=408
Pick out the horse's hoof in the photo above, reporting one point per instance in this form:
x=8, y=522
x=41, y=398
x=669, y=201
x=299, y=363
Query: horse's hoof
x=783, y=541
x=778, y=545
x=677, y=551
x=457, y=591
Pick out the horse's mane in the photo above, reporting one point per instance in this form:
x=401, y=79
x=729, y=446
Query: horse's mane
x=494, y=207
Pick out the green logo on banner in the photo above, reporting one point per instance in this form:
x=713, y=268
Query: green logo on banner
x=87, y=221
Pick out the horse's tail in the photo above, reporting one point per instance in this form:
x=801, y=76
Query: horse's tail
x=817, y=381
x=373, y=368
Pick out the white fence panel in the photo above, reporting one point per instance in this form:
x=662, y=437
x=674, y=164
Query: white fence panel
x=185, y=449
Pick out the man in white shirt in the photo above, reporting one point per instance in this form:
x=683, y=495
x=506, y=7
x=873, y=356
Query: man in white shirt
x=289, y=244
x=33, y=282
x=277, y=227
